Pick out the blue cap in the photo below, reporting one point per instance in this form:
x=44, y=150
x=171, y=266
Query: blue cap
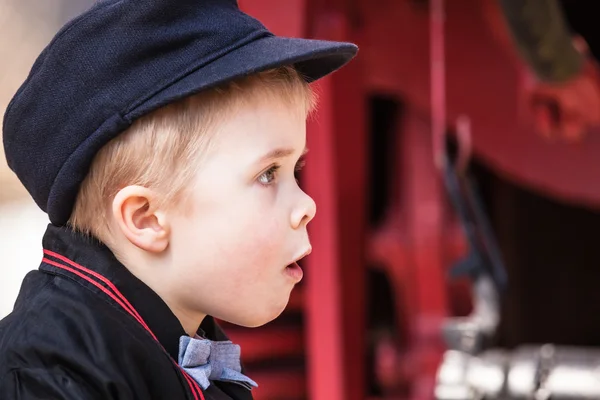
x=123, y=59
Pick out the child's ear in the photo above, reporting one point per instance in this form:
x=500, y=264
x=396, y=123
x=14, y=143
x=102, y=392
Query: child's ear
x=135, y=211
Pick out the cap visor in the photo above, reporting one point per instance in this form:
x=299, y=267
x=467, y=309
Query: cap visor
x=314, y=59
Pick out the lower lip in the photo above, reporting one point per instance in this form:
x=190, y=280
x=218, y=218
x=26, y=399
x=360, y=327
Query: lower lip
x=295, y=272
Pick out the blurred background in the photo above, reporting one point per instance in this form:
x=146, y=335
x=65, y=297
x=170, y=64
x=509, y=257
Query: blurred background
x=456, y=166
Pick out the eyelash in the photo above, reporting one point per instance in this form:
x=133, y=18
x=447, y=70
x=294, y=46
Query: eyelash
x=273, y=171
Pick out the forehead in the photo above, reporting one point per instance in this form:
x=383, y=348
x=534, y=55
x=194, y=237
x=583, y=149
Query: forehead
x=261, y=125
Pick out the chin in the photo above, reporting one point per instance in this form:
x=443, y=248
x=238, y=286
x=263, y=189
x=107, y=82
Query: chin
x=257, y=319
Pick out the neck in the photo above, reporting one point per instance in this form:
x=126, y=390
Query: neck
x=155, y=275
x=189, y=321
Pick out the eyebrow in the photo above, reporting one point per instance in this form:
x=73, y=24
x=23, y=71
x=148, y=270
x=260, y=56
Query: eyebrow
x=279, y=153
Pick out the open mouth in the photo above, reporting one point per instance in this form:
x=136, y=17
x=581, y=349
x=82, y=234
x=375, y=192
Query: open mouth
x=294, y=270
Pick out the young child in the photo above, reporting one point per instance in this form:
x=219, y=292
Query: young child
x=162, y=140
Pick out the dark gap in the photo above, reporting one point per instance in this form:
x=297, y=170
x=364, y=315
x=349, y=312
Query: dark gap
x=385, y=112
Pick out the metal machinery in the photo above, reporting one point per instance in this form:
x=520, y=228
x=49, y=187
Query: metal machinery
x=450, y=72
x=473, y=369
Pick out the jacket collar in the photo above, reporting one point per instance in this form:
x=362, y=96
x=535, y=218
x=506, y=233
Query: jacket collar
x=97, y=257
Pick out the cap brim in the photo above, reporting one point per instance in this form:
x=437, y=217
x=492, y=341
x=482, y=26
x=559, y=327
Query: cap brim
x=314, y=59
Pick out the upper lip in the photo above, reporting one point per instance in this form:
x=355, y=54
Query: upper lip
x=307, y=252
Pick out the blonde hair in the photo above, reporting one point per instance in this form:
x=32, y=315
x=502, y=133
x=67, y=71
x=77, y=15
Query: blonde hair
x=162, y=150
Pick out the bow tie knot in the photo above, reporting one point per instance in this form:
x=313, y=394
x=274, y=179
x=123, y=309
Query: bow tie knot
x=206, y=360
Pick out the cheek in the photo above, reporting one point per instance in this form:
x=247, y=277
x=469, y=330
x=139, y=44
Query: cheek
x=239, y=242
x=245, y=275
x=256, y=246
x=237, y=251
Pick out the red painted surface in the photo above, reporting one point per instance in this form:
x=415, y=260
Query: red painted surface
x=419, y=238
x=324, y=327
x=285, y=18
x=482, y=80
x=335, y=176
x=351, y=191
x=423, y=203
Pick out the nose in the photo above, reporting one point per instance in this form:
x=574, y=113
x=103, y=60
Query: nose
x=304, y=212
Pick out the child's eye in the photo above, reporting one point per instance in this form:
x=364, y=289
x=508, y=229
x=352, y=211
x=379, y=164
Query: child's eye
x=268, y=177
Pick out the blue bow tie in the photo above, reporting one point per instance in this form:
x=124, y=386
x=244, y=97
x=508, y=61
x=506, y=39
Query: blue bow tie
x=206, y=360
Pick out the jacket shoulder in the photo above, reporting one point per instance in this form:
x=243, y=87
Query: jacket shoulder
x=59, y=323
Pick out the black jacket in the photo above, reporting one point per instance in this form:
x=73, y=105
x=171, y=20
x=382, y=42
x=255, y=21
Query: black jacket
x=76, y=332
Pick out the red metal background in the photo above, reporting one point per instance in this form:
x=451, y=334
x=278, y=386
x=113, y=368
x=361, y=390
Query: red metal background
x=482, y=80
x=419, y=237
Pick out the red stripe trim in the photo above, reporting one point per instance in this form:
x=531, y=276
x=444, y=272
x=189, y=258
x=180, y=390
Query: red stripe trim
x=124, y=304
x=99, y=286
x=192, y=384
x=130, y=308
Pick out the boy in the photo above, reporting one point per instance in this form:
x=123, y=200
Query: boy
x=162, y=139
